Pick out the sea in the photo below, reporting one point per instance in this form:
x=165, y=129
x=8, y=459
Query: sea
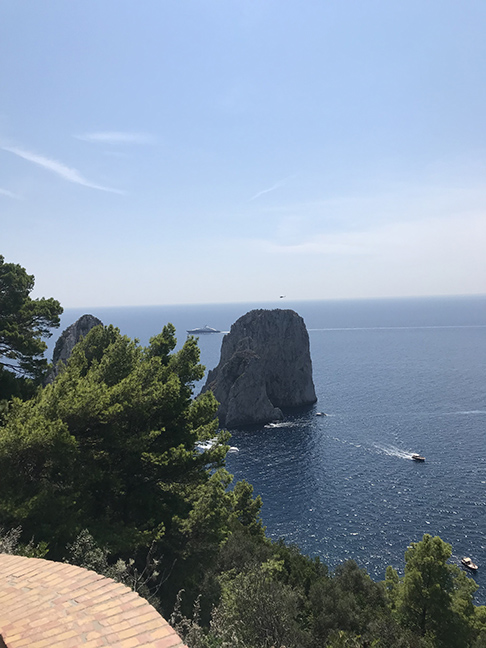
x=393, y=377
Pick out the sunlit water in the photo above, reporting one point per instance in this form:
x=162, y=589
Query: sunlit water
x=393, y=378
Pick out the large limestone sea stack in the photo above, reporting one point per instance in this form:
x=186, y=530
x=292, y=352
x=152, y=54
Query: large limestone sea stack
x=265, y=365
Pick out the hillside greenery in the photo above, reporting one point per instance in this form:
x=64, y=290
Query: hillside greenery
x=101, y=469
x=24, y=322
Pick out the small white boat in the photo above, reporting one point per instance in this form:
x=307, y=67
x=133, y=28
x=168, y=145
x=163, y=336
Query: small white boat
x=203, y=329
x=467, y=562
x=417, y=457
x=203, y=446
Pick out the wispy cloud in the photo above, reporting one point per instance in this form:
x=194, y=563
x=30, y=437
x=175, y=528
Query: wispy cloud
x=117, y=137
x=60, y=169
x=277, y=185
x=9, y=194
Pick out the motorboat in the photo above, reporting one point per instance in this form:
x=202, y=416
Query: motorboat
x=203, y=329
x=204, y=446
x=417, y=457
x=467, y=562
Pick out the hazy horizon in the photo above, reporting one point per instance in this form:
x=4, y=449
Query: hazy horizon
x=283, y=303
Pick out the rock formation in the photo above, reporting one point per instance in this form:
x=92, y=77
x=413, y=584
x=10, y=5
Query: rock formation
x=67, y=341
x=265, y=365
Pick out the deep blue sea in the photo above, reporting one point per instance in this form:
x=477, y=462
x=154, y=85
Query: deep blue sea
x=394, y=376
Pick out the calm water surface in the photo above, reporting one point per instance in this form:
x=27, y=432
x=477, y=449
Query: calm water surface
x=394, y=377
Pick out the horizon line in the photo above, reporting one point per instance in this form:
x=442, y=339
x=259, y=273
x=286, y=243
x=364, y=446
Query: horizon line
x=277, y=300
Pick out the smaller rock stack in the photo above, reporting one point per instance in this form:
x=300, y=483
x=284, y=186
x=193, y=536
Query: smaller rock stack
x=68, y=340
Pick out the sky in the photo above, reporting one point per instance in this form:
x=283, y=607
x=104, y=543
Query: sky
x=211, y=151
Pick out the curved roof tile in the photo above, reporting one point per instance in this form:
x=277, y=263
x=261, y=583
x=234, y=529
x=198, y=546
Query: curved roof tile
x=46, y=604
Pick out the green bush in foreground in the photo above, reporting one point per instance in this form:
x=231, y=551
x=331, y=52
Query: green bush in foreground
x=110, y=447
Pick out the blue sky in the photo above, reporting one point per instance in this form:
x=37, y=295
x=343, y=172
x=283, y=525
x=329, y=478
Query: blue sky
x=163, y=152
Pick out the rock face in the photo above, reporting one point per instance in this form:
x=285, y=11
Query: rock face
x=265, y=364
x=69, y=338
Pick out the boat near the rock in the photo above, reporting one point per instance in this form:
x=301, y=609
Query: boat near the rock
x=203, y=446
x=203, y=329
x=467, y=562
x=417, y=457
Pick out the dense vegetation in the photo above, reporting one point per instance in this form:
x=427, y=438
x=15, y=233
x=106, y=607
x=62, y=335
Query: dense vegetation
x=23, y=323
x=100, y=468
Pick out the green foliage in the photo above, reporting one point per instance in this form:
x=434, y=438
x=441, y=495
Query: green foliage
x=23, y=323
x=342, y=639
x=85, y=552
x=434, y=599
x=10, y=544
x=189, y=628
x=243, y=550
x=246, y=509
x=109, y=447
x=392, y=582
x=13, y=385
x=257, y=610
x=479, y=622
x=270, y=594
x=299, y=571
x=36, y=462
x=349, y=601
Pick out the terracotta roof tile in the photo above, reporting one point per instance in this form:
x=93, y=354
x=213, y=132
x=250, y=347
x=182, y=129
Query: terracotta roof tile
x=44, y=604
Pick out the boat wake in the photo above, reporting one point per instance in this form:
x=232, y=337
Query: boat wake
x=280, y=424
x=472, y=412
x=393, y=451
